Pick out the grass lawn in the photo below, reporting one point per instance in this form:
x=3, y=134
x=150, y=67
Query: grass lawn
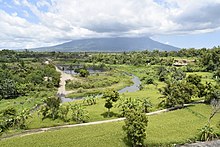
x=165, y=129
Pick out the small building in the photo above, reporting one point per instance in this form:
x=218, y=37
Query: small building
x=182, y=62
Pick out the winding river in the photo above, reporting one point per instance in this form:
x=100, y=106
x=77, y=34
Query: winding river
x=65, y=75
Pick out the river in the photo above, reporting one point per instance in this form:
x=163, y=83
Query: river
x=133, y=88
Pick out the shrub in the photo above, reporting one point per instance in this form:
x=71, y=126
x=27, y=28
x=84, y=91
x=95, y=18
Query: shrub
x=207, y=133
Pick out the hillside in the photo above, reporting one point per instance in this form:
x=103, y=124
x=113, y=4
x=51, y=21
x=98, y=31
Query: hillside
x=118, y=44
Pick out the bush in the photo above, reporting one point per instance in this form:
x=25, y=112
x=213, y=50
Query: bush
x=207, y=133
x=150, y=81
x=83, y=73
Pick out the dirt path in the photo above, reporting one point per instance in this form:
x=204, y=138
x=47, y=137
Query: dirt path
x=40, y=130
x=62, y=90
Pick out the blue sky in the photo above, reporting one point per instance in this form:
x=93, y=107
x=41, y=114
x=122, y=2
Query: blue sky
x=37, y=23
x=207, y=40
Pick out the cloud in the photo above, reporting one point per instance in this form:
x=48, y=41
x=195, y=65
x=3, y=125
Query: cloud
x=64, y=20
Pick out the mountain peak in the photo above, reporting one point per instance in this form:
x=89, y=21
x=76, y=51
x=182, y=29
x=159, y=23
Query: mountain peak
x=114, y=44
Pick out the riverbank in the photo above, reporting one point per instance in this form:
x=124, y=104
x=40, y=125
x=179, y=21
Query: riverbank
x=66, y=95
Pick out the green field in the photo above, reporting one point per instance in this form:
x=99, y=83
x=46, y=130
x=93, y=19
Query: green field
x=27, y=80
x=174, y=127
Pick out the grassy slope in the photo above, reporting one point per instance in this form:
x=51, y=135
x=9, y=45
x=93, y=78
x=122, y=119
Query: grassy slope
x=169, y=128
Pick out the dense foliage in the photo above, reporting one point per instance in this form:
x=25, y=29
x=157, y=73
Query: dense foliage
x=21, y=78
x=135, y=127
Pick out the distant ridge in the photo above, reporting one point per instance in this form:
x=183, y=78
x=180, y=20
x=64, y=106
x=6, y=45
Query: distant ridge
x=118, y=44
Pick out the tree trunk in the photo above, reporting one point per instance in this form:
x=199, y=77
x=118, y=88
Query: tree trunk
x=108, y=112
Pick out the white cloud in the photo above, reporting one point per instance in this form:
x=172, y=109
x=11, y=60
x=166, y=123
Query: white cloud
x=16, y=2
x=65, y=20
x=42, y=3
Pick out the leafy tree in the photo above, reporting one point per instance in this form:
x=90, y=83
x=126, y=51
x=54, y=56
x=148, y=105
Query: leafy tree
x=79, y=114
x=108, y=105
x=194, y=79
x=51, y=106
x=127, y=104
x=63, y=112
x=162, y=73
x=135, y=127
x=110, y=97
x=8, y=89
x=10, y=118
x=212, y=93
x=145, y=105
x=177, y=93
x=216, y=75
x=177, y=74
x=83, y=73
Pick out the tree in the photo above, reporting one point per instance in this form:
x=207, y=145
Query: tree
x=83, y=73
x=11, y=118
x=50, y=109
x=135, y=127
x=110, y=97
x=162, y=73
x=79, y=114
x=194, y=79
x=145, y=105
x=63, y=112
x=177, y=93
x=127, y=104
x=8, y=89
x=212, y=93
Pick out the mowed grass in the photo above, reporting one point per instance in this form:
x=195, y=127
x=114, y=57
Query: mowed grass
x=174, y=127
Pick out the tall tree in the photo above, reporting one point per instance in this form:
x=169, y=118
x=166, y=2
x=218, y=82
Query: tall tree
x=110, y=97
x=135, y=127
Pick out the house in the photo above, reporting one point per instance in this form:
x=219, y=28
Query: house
x=182, y=62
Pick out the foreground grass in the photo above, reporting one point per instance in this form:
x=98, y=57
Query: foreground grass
x=174, y=127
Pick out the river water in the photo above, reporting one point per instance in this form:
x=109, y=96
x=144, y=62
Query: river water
x=133, y=88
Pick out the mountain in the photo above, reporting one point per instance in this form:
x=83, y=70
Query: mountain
x=118, y=44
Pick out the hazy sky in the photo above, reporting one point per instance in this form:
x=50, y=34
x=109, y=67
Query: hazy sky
x=36, y=23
